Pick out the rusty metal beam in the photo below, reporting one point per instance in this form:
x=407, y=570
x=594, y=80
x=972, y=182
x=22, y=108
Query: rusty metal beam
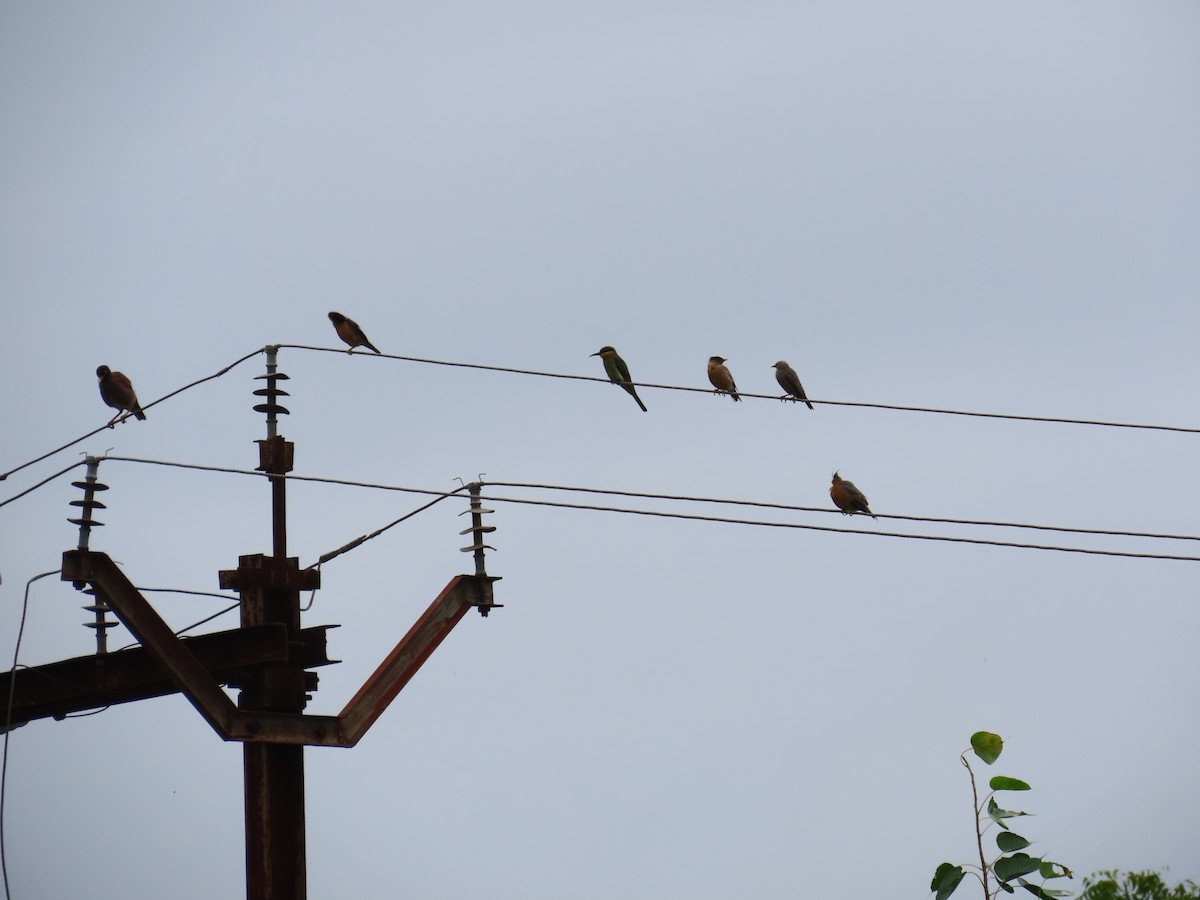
x=154, y=634
x=87, y=682
x=461, y=594
x=252, y=726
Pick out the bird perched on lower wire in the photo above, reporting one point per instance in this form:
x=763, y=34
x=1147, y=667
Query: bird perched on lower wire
x=618, y=372
x=117, y=391
x=721, y=377
x=790, y=382
x=349, y=332
x=848, y=498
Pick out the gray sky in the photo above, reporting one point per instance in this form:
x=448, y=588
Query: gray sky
x=984, y=207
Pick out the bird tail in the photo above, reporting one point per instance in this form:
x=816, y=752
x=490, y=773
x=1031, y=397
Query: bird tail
x=137, y=411
x=371, y=346
x=633, y=393
x=809, y=405
x=736, y=398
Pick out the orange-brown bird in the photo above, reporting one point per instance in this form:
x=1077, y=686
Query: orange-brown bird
x=848, y=498
x=790, y=382
x=349, y=332
x=721, y=378
x=117, y=391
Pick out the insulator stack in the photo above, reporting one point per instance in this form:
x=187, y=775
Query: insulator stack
x=477, y=531
x=272, y=392
x=99, y=609
x=90, y=487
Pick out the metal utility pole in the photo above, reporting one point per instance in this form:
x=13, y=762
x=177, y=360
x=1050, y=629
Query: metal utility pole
x=267, y=659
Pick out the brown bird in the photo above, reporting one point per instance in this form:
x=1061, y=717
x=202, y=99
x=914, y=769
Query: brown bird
x=721, y=378
x=349, y=332
x=117, y=392
x=848, y=498
x=790, y=382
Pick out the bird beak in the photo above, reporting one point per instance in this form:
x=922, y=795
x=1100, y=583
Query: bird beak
x=597, y=353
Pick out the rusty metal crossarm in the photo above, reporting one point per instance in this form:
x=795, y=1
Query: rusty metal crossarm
x=464, y=592
x=154, y=634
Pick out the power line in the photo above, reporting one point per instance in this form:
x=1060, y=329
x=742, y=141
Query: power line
x=647, y=495
x=346, y=548
x=796, y=525
x=145, y=406
x=726, y=520
x=12, y=693
x=820, y=509
x=705, y=390
x=42, y=483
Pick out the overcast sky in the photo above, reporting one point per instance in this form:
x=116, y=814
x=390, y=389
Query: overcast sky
x=989, y=207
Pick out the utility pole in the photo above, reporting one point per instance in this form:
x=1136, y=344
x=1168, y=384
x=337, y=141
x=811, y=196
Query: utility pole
x=268, y=659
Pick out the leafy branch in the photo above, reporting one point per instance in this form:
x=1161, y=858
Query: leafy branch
x=1012, y=864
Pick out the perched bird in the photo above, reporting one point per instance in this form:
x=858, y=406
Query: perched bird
x=117, y=392
x=720, y=377
x=349, y=332
x=790, y=382
x=848, y=498
x=618, y=372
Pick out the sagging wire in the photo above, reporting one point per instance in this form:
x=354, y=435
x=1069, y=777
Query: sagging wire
x=8, y=714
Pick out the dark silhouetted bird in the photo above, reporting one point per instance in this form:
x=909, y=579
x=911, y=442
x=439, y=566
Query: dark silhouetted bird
x=117, y=392
x=721, y=377
x=349, y=332
x=790, y=382
x=848, y=498
x=618, y=372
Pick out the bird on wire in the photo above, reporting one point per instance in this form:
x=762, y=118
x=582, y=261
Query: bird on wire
x=618, y=372
x=848, y=498
x=349, y=332
x=790, y=382
x=721, y=377
x=117, y=391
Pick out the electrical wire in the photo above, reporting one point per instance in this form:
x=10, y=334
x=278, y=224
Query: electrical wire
x=145, y=406
x=646, y=495
x=333, y=554
x=819, y=509
x=8, y=714
x=42, y=483
x=796, y=525
x=704, y=390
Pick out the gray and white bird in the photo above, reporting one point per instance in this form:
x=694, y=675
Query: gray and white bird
x=848, y=498
x=790, y=382
x=721, y=377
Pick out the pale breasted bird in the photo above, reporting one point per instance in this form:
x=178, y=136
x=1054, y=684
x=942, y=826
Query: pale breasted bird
x=721, y=378
x=790, y=382
x=117, y=391
x=349, y=332
x=618, y=372
x=848, y=498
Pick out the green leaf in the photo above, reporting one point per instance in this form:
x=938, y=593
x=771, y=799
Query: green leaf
x=1043, y=893
x=1008, y=841
x=1004, y=783
x=1007, y=888
x=987, y=746
x=1048, y=870
x=1009, y=867
x=946, y=879
x=997, y=815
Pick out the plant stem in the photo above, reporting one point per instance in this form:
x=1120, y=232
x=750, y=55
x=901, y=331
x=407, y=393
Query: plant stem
x=987, y=893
